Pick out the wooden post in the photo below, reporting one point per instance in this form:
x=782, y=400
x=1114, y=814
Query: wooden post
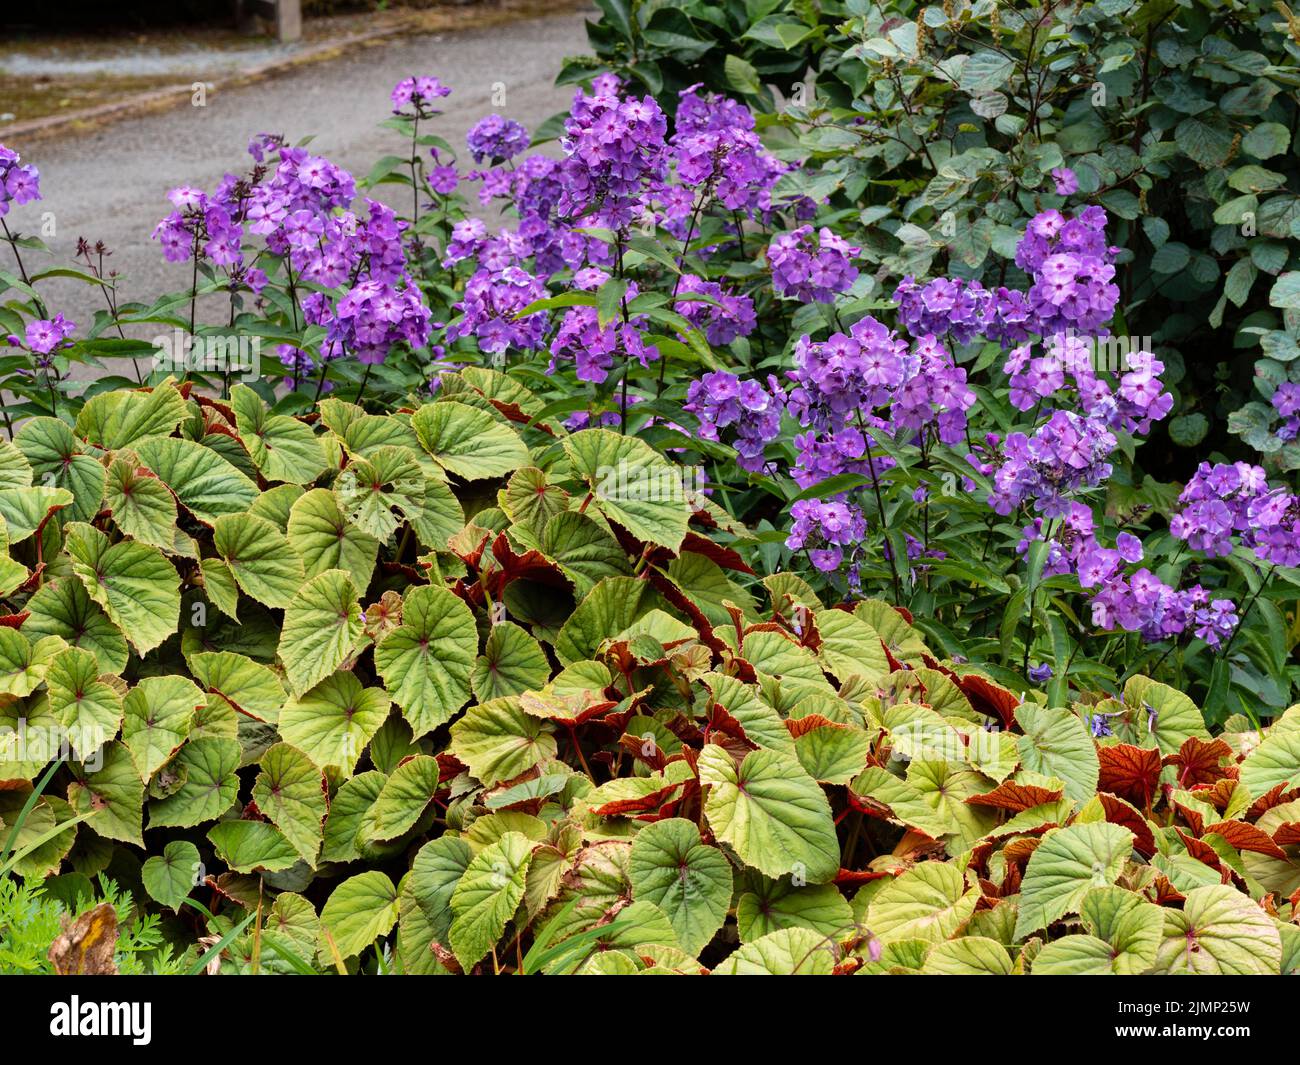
x=288, y=20
x=286, y=14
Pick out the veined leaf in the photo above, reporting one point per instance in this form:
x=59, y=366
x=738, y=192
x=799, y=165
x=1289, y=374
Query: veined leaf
x=63, y=608
x=220, y=586
x=487, y=896
x=968, y=956
x=1065, y=867
x=631, y=484
x=772, y=813
x=325, y=539
x=24, y=664
x=787, y=952
x=158, y=713
x=468, y=442
x=291, y=791
x=112, y=420
x=90, y=710
x=1057, y=744
x=284, y=448
x=321, y=627
x=512, y=663
x=360, y=910
x=1219, y=931
x=116, y=796
x=333, y=722
x=170, y=877
x=134, y=583
x=25, y=510
x=206, y=767
x=529, y=499
x=425, y=662
x=498, y=741
x=259, y=556
x=929, y=902
x=57, y=462
x=405, y=796
x=371, y=488
x=776, y=904
x=205, y=483
x=142, y=506
x=252, y=846
x=250, y=687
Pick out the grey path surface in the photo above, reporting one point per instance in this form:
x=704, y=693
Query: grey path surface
x=111, y=184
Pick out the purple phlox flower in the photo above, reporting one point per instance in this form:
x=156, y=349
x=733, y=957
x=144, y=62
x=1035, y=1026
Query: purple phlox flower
x=497, y=139
x=419, y=93
x=615, y=154
x=19, y=183
x=825, y=528
x=1065, y=181
x=1286, y=401
x=1099, y=725
x=721, y=316
x=714, y=146
x=490, y=304
x=753, y=412
x=1224, y=505
x=1066, y=454
x=840, y=378
x=46, y=335
x=1072, y=270
x=811, y=267
x=593, y=347
x=443, y=177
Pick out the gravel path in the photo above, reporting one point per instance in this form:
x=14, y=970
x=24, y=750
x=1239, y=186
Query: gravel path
x=111, y=184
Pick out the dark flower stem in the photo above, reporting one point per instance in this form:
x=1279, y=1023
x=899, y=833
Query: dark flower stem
x=880, y=509
x=22, y=270
x=1246, y=613
x=681, y=263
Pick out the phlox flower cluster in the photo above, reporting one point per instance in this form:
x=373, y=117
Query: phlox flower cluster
x=1072, y=290
x=1135, y=402
x=722, y=317
x=1225, y=505
x=812, y=267
x=20, y=182
x=489, y=309
x=842, y=379
x=418, y=94
x=371, y=317
x=826, y=529
x=1072, y=271
x=753, y=412
x=1134, y=602
x=593, y=347
x=962, y=310
x=497, y=139
x=1065, y=454
x=1286, y=401
x=303, y=209
x=714, y=146
x=614, y=147
x=44, y=337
